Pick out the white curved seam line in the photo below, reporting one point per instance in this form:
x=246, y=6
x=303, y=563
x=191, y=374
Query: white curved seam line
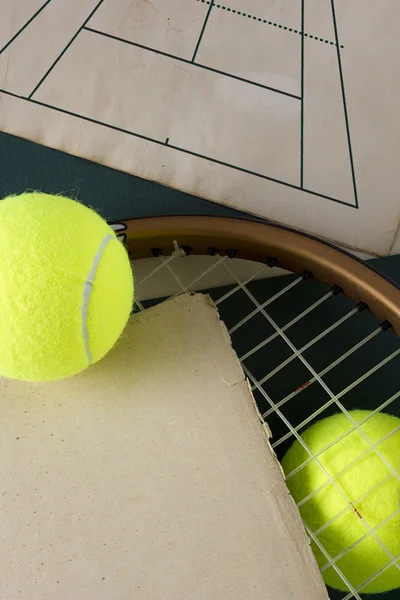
x=87, y=292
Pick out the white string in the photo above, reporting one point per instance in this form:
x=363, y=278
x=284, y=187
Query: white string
x=362, y=539
x=285, y=327
x=266, y=303
x=311, y=534
x=331, y=563
x=237, y=287
x=326, y=369
x=175, y=276
x=294, y=431
x=374, y=576
x=333, y=399
x=341, y=437
x=139, y=304
x=162, y=265
x=348, y=388
x=299, y=352
x=216, y=264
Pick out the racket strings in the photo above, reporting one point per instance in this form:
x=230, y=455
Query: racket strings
x=241, y=285
x=335, y=399
x=328, y=368
x=295, y=320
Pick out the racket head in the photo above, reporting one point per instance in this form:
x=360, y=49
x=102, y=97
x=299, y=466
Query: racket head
x=314, y=341
x=269, y=244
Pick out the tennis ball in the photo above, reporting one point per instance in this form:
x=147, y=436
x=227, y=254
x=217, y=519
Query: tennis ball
x=66, y=287
x=371, y=497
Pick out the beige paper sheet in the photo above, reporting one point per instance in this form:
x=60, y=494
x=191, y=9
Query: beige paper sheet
x=149, y=476
x=286, y=109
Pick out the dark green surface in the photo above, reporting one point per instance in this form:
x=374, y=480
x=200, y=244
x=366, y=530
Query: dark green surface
x=115, y=195
x=118, y=196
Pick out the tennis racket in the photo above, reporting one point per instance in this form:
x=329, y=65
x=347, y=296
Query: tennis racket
x=316, y=329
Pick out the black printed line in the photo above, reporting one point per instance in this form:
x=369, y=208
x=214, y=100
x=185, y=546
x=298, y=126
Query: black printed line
x=65, y=49
x=211, y=4
x=302, y=100
x=266, y=22
x=189, y=62
x=25, y=26
x=346, y=116
x=179, y=149
x=2, y=91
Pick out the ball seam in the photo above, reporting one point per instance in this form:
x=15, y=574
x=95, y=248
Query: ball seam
x=87, y=291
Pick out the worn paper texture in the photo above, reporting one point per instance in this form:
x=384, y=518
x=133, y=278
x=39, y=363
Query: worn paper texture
x=287, y=109
x=148, y=476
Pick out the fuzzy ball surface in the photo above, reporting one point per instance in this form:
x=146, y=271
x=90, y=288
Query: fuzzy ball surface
x=352, y=504
x=66, y=287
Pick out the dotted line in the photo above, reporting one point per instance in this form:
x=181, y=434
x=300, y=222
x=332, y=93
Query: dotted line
x=266, y=22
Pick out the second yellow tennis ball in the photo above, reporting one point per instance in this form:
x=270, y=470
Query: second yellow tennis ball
x=66, y=287
x=359, y=494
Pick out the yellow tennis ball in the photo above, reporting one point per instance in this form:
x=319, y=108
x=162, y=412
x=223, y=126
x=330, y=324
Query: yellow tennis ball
x=66, y=287
x=365, y=496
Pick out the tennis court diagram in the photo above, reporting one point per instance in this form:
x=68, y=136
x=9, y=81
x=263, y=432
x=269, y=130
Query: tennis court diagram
x=253, y=85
